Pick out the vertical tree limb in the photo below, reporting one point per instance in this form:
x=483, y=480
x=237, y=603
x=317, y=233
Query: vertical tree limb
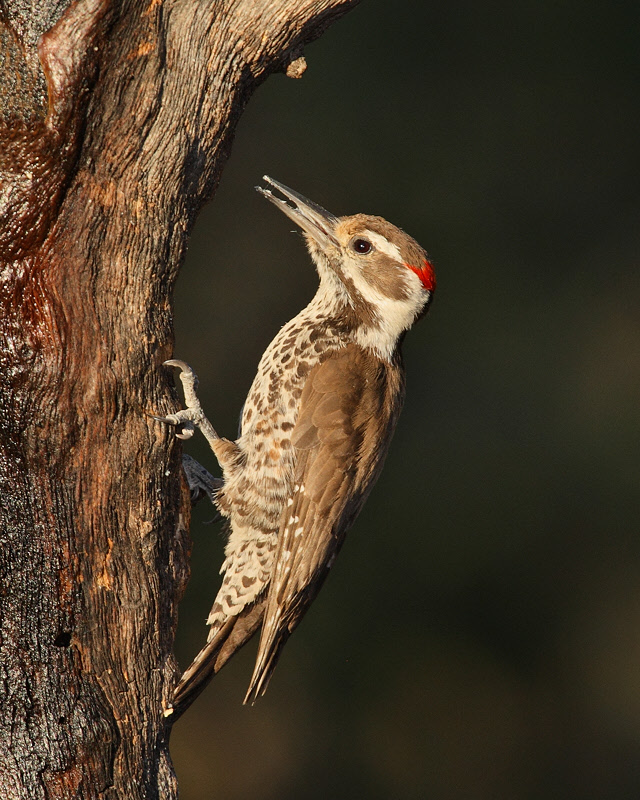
x=115, y=121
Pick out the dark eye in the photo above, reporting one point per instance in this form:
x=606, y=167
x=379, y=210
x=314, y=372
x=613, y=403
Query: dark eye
x=362, y=246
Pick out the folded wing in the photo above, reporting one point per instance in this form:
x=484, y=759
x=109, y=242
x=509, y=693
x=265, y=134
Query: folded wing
x=348, y=410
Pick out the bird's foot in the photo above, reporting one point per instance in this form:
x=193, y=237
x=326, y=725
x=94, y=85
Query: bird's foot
x=193, y=416
x=201, y=482
x=183, y=425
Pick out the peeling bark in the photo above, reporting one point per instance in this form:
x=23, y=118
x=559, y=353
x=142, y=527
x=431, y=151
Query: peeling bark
x=115, y=122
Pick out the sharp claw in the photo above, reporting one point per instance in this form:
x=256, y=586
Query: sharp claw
x=170, y=420
x=188, y=378
x=186, y=425
x=176, y=362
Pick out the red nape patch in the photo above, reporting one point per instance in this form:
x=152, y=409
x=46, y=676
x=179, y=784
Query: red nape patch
x=426, y=274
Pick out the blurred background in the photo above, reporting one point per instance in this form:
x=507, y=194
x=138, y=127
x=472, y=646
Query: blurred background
x=479, y=636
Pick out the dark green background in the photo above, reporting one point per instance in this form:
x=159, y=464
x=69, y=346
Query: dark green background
x=479, y=636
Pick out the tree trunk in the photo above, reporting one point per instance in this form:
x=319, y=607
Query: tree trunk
x=115, y=121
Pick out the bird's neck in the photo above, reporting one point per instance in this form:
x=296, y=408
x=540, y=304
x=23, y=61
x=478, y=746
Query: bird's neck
x=353, y=322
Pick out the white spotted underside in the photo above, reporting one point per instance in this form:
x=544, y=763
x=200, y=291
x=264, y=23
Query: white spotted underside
x=258, y=492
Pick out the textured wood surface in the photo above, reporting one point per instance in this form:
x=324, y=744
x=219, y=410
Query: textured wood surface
x=115, y=122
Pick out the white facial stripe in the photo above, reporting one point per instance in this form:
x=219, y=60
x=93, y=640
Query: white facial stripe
x=394, y=316
x=384, y=245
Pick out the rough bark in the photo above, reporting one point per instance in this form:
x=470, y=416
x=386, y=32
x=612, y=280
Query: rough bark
x=115, y=121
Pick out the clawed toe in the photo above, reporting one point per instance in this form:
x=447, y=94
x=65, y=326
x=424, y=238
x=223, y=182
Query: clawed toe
x=201, y=482
x=193, y=416
x=184, y=425
x=189, y=381
x=187, y=375
x=176, y=362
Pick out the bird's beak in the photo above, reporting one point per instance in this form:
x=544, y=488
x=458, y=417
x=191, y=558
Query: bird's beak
x=313, y=219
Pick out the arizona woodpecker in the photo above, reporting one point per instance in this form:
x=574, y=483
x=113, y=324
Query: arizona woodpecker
x=314, y=432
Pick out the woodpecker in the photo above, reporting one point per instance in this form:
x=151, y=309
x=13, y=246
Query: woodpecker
x=314, y=433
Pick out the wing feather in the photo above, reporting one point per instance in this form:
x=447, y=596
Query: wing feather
x=348, y=410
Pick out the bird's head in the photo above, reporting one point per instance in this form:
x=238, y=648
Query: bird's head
x=378, y=271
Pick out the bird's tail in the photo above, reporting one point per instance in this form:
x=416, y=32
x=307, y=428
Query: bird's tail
x=268, y=655
x=233, y=634
x=281, y=616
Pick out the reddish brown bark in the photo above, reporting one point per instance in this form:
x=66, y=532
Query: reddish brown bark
x=115, y=121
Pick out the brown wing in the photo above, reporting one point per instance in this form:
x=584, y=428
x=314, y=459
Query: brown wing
x=348, y=411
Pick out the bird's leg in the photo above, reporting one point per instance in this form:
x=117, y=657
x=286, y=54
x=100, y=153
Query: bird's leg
x=192, y=417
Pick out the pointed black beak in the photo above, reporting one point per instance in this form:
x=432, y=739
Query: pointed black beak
x=312, y=218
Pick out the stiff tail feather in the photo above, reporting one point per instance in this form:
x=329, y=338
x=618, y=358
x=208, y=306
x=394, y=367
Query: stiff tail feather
x=263, y=671
x=235, y=633
x=273, y=638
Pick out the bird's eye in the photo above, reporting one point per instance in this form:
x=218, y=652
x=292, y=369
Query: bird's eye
x=362, y=246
